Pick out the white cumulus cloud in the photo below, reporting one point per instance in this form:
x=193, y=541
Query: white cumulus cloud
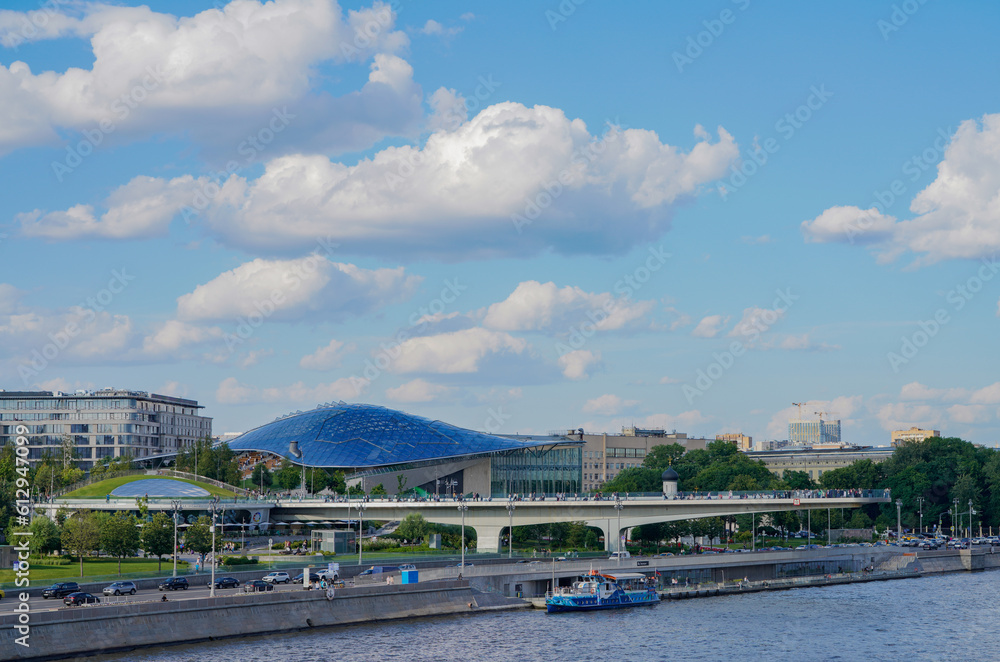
x=535, y=306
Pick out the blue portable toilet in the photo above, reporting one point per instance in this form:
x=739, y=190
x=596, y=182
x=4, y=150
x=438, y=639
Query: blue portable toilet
x=409, y=576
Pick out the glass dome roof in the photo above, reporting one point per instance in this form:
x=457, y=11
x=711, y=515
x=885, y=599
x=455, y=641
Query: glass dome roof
x=363, y=436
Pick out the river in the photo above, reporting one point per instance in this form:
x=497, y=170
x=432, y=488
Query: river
x=953, y=616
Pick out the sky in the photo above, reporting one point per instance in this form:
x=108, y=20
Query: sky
x=516, y=217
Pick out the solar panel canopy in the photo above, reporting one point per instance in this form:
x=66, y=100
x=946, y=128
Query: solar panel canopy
x=364, y=436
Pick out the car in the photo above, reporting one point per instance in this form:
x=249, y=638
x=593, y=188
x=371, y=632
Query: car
x=227, y=582
x=173, y=584
x=60, y=590
x=255, y=585
x=2, y=594
x=328, y=575
x=276, y=578
x=297, y=579
x=619, y=555
x=118, y=588
x=79, y=598
x=407, y=566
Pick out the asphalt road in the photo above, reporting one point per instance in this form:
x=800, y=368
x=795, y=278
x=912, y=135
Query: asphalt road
x=143, y=595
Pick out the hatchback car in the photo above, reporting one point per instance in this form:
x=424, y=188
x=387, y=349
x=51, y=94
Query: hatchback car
x=118, y=588
x=60, y=590
x=227, y=582
x=80, y=598
x=173, y=584
x=255, y=585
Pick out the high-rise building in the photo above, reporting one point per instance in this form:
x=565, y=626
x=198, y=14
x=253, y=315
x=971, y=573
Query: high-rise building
x=101, y=424
x=742, y=441
x=900, y=437
x=813, y=433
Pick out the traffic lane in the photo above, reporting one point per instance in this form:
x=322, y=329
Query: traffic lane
x=38, y=603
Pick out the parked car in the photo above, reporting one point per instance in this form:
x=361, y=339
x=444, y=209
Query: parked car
x=173, y=584
x=276, y=578
x=407, y=566
x=60, y=590
x=297, y=579
x=118, y=588
x=2, y=594
x=227, y=582
x=325, y=574
x=619, y=555
x=80, y=598
x=255, y=585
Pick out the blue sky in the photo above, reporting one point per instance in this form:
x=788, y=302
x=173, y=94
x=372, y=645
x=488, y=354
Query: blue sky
x=516, y=217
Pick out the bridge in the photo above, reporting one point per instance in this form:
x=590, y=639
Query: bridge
x=489, y=518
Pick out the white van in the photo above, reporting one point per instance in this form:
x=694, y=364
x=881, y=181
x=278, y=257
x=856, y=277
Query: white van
x=619, y=555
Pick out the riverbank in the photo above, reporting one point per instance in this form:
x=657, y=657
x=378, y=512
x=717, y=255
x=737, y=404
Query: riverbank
x=105, y=629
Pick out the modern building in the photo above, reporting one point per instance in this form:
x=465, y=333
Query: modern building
x=101, y=424
x=817, y=462
x=606, y=455
x=742, y=441
x=375, y=445
x=813, y=433
x=900, y=437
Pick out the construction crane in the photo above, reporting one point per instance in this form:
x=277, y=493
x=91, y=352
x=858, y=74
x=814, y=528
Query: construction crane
x=799, y=405
x=823, y=414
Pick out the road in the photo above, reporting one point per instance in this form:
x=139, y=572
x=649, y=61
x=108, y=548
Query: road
x=39, y=604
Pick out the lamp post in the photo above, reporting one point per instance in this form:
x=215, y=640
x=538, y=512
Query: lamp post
x=361, y=514
x=176, y=504
x=618, y=532
x=462, y=508
x=970, y=523
x=899, y=521
x=510, y=529
x=920, y=507
x=215, y=505
x=954, y=515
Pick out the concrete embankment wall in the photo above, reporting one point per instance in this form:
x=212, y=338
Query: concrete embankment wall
x=957, y=560
x=103, y=629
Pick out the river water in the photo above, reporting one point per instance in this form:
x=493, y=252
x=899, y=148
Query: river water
x=953, y=616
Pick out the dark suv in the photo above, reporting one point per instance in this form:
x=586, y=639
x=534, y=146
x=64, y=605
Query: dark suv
x=173, y=584
x=60, y=590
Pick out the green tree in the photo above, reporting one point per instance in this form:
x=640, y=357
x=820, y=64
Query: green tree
x=198, y=537
x=337, y=483
x=663, y=456
x=157, y=537
x=798, y=480
x=81, y=533
x=379, y=490
x=120, y=537
x=45, y=535
x=261, y=476
x=413, y=527
x=287, y=476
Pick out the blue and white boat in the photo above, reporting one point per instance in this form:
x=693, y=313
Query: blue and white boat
x=597, y=590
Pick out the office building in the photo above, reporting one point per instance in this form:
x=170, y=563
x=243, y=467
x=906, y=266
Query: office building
x=607, y=455
x=813, y=433
x=900, y=437
x=740, y=440
x=817, y=462
x=101, y=424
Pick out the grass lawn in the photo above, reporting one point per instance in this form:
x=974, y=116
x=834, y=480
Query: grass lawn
x=100, y=489
x=93, y=568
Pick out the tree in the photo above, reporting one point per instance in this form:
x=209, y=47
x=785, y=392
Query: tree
x=413, y=527
x=120, y=537
x=379, y=490
x=45, y=535
x=798, y=480
x=287, y=476
x=337, y=483
x=157, y=537
x=261, y=476
x=80, y=534
x=199, y=537
x=663, y=456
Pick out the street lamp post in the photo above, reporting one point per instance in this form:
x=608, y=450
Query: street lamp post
x=462, y=508
x=176, y=504
x=970, y=523
x=361, y=514
x=899, y=521
x=618, y=532
x=920, y=506
x=215, y=505
x=954, y=515
x=510, y=529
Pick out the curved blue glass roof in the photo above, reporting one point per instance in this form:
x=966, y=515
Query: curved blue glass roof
x=358, y=436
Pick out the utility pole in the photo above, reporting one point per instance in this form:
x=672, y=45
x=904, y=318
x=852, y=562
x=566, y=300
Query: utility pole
x=920, y=506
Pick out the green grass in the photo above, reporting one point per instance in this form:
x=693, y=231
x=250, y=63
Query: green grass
x=93, y=569
x=102, y=488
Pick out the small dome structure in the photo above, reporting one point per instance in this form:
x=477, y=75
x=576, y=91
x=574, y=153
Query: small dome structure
x=670, y=475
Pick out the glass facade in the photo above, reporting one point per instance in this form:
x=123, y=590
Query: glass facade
x=539, y=471
x=810, y=433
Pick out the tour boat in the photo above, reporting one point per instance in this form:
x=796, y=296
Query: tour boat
x=597, y=590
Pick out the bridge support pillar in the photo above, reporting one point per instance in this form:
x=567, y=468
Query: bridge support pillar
x=488, y=538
